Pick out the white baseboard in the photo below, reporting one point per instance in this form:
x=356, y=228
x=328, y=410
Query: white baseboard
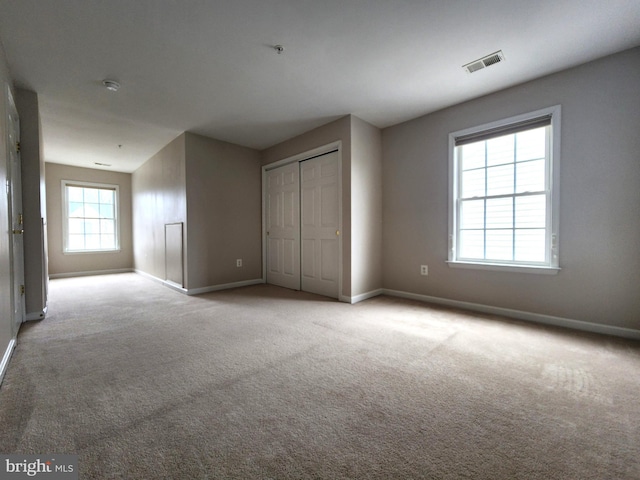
x=6, y=358
x=89, y=273
x=36, y=315
x=200, y=290
x=175, y=286
x=224, y=286
x=362, y=296
x=521, y=315
x=166, y=283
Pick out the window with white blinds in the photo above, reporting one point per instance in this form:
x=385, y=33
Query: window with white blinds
x=503, y=205
x=90, y=217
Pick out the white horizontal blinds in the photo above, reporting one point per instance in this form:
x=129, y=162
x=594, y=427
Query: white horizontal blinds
x=91, y=218
x=500, y=131
x=503, y=193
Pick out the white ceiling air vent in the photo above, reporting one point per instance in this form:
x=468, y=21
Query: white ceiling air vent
x=484, y=62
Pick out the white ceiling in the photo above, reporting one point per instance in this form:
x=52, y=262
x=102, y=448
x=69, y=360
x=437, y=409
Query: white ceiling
x=209, y=66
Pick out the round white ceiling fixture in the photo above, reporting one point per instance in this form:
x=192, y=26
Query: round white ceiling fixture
x=279, y=49
x=111, y=85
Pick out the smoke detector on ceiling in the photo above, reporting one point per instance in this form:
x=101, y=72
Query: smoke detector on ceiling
x=484, y=62
x=111, y=85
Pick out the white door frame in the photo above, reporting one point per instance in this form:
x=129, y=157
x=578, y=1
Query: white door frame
x=15, y=224
x=299, y=158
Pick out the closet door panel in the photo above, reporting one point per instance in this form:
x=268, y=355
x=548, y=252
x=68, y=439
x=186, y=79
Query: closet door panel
x=320, y=224
x=283, y=226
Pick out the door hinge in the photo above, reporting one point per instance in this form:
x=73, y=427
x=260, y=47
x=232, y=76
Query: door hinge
x=17, y=146
x=20, y=219
x=21, y=289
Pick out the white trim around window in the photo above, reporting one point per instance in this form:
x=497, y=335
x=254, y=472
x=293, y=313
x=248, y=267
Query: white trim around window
x=90, y=217
x=501, y=217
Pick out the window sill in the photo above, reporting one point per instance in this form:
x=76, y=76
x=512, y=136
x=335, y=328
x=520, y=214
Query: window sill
x=505, y=268
x=85, y=252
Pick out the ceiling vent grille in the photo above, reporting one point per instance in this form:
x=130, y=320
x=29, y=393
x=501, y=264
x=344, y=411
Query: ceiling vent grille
x=484, y=62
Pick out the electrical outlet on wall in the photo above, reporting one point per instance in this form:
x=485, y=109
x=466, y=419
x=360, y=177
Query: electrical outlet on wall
x=424, y=270
x=239, y=262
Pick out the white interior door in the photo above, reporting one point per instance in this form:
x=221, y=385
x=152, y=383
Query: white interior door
x=16, y=220
x=320, y=224
x=282, y=209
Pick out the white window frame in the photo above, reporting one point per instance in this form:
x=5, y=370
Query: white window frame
x=65, y=216
x=551, y=265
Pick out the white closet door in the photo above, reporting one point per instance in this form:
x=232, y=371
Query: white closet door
x=16, y=223
x=320, y=224
x=283, y=226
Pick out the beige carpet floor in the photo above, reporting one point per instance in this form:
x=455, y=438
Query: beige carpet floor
x=262, y=382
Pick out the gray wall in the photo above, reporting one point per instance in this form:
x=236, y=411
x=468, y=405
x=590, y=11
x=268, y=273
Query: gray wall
x=599, y=198
x=33, y=204
x=159, y=197
x=223, y=212
x=331, y=132
x=6, y=315
x=213, y=188
x=366, y=207
x=60, y=263
x=361, y=196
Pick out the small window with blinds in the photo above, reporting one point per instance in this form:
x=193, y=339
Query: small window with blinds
x=90, y=217
x=503, y=205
